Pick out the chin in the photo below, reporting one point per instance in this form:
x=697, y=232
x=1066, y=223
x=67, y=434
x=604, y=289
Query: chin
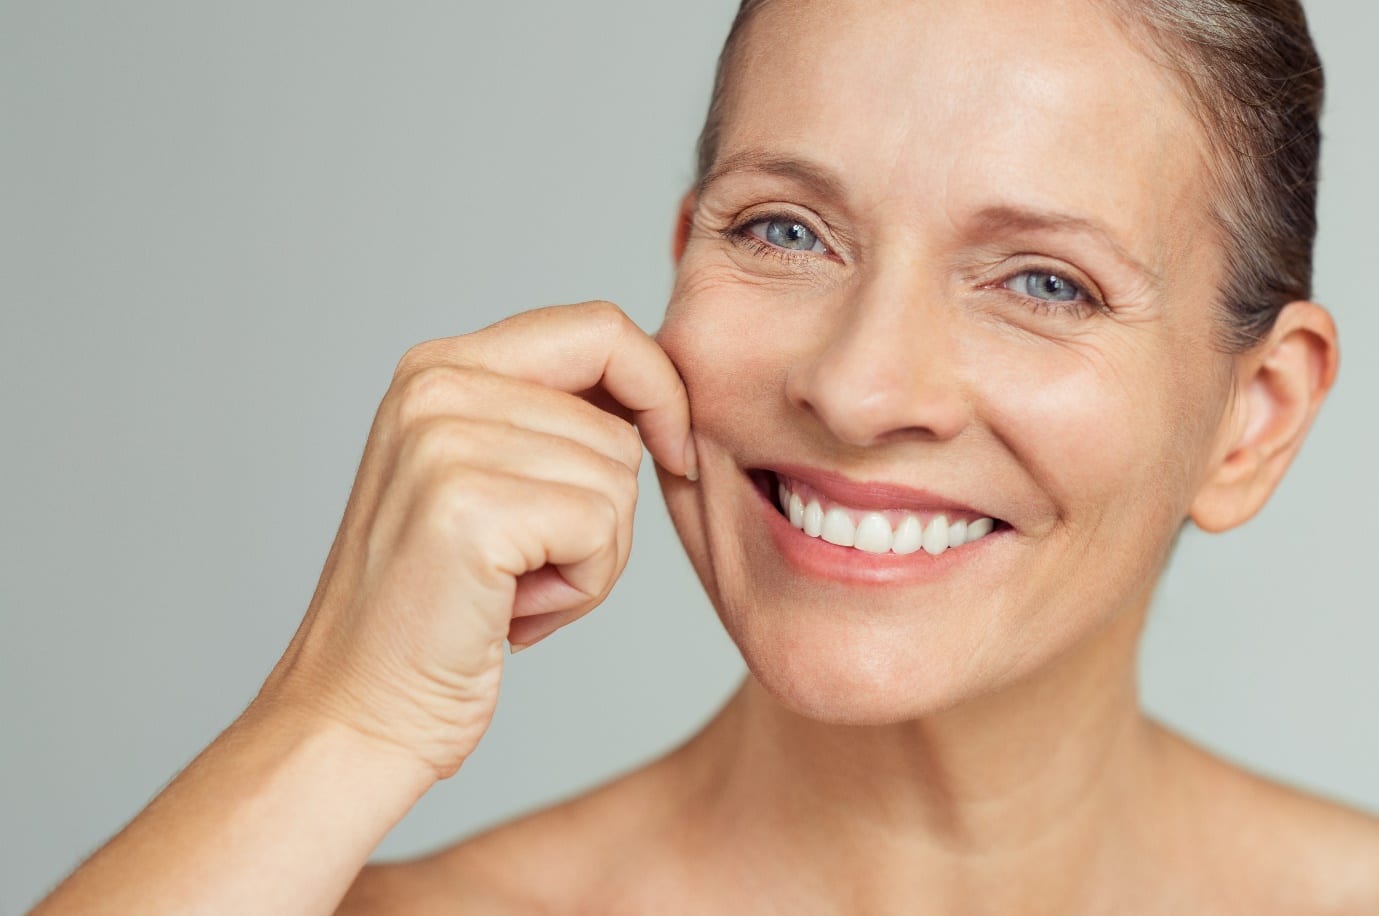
x=854, y=675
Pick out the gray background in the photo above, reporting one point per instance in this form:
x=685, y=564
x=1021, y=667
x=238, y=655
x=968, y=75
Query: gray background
x=222, y=224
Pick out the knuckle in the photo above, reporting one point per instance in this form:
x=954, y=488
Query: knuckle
x=628, y=443
x=608, y=313
x=432, y=442
x=604, y=515
x=455, y=500
x=438, y=351
x=625, y=485
x=430, y=390
x=417, y=356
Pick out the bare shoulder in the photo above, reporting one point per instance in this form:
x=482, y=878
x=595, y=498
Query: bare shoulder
x=545, y=862
x=487, y=873
x=417, y=887
x=1325, y=854
x=1303, y=852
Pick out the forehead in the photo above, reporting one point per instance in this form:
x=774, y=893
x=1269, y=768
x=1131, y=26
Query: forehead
x=951, y=106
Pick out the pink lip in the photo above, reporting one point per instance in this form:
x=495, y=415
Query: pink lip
x=819, y=559
x=872, y=495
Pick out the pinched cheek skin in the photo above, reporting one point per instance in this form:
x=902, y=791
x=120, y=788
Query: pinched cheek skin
x=715, y=338
x=713, y=333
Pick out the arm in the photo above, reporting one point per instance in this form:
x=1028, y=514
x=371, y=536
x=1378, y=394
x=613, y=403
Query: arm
x=277, y=815
x=493, y=503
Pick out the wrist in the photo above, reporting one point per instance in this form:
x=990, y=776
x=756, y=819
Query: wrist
x=278, y=814
x=354, y=754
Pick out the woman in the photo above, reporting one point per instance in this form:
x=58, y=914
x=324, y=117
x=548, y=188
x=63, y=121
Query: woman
x=976, y=305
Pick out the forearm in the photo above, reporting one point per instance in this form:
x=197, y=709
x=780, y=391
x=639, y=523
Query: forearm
x=275, y=816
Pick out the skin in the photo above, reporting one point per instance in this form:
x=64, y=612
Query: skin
x=971, y=743
x=493, y=504
x=974, y=743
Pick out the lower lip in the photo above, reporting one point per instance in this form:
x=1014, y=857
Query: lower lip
x=818, y=558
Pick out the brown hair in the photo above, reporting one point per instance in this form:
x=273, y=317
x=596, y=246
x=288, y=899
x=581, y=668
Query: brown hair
x=1253, y=78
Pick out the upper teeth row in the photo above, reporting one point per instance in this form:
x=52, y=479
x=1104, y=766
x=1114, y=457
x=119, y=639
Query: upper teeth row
x=873, y=533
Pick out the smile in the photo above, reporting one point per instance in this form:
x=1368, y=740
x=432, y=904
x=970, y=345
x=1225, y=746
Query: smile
x=886, y=531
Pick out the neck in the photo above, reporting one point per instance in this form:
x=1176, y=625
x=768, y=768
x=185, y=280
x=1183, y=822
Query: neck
x=1021, y=794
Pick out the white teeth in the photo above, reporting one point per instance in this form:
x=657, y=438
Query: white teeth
x=936, y=535
x=838, y=528
x=909, y=536
x=873, y=533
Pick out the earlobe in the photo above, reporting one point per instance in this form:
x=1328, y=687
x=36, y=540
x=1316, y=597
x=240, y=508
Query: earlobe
x=1280, y=386
x=684, y=219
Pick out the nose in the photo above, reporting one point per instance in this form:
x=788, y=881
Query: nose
x=885, y=367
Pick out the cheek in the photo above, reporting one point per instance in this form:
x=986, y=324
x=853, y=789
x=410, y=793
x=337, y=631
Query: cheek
x=712, y=335
x=1110, y=435
x=709, y=335
x=1068, y=416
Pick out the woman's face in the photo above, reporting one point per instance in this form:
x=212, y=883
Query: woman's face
x=958, y=255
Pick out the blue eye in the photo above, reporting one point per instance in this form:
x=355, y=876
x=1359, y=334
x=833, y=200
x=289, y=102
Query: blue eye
x=787, y=233
x=1038, y=284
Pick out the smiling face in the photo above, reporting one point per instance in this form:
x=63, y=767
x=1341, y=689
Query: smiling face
x=952, y=260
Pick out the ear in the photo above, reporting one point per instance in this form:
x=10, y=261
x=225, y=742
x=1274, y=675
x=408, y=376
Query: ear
x=1279, y=387
x=684, y=219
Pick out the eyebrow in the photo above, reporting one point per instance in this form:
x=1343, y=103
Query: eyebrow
x=1009, y=218
x=818, y=177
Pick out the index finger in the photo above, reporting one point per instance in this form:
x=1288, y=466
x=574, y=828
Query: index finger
x=577, y=347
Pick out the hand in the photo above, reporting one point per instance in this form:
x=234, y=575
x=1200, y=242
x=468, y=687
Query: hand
x=493, y=503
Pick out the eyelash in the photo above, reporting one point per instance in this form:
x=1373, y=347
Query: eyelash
x=739, y=233
x=1090, y=302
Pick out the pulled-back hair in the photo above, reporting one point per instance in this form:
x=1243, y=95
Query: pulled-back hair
x=1253, y=80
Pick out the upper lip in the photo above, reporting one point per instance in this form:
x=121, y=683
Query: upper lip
x=872, y=494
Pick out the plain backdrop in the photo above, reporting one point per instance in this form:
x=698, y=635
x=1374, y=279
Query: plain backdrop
x=221, y=224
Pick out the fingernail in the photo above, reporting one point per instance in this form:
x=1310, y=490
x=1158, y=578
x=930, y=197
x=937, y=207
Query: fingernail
x=691, y=459
x=515, y=647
